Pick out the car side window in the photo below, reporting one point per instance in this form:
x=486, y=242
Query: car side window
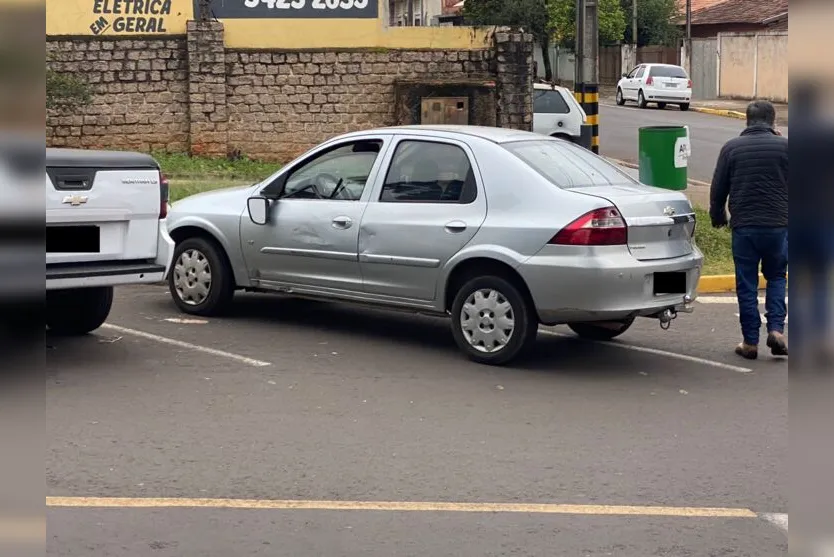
x=429, y=172
x=633, y=72
x=549, y=102
x=640, y=71
x=340, y=173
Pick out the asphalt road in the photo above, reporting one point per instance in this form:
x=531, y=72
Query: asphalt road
x=619, y=133
x=360, y=406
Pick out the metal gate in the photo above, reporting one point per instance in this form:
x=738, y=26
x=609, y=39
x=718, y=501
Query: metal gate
x=704, y=68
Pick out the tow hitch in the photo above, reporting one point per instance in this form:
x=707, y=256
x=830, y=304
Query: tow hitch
x=670, y=314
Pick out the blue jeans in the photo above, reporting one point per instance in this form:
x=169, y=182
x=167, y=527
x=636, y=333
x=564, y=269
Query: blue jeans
x=753, y=245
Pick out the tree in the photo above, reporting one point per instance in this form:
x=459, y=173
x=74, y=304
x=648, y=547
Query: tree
x=657, y=22
x=530, y=15
x=562, y=14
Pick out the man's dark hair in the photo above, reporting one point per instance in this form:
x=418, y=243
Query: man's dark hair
x=761, y=113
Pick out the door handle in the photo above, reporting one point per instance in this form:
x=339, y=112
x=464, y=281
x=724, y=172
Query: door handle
x=455, y=227
x=342, y=222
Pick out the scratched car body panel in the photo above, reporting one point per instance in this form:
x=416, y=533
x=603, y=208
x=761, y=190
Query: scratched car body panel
x=399, y=217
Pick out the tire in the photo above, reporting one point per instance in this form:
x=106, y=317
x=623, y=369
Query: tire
x=594, y=331
x=620, y=100
x=684, y=106
x=641, y=100
x=493, y=290
x=661, y=106
x=194, y=257
x=77, y=311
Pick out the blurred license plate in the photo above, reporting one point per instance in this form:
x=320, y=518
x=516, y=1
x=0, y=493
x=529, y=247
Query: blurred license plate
x=670, y=283
x=671, y=85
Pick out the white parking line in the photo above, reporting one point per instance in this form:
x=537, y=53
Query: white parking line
x=725, y=300
x=187, y=345
x=657, y=352
x=780, y=520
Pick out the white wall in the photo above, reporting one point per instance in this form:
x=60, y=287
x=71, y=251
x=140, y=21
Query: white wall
x=562, y=61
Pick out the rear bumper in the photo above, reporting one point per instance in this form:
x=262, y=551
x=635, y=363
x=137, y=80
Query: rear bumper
x=612, y=286
x=102, y=273
x=114, y=273
x=667, y=95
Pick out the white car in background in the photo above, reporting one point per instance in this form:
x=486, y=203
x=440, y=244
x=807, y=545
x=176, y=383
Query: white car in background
x=655, y=83
x=556, y=112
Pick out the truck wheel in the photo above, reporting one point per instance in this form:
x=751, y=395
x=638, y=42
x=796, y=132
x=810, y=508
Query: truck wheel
x=492, y=321
x=78, y=311
x=201, y=281
x=599, y=331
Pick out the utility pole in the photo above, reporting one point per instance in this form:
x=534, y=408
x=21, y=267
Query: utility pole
x=687, y=44
x=634, y=22
x=688, y=20
x=586, y=84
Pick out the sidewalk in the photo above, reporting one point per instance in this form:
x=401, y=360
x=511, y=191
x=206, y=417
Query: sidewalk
x=734, y=108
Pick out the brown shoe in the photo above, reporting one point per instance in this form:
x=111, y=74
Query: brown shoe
x=747, y=351
x=776, y=343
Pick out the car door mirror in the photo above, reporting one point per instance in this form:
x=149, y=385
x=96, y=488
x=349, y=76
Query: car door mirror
x=258, y=208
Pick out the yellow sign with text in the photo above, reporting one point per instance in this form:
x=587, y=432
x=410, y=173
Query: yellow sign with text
x=117, y=17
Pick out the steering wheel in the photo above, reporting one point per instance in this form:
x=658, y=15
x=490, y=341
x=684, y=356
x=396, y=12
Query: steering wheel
x=325, y=182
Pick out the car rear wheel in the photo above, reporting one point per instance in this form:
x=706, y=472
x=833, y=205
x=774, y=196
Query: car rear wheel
x=684, y=106
x=201, y=281
x=641, y=100
x=661, y=106
x=620, y=97
x=601, y=331
x=78, y=311
x=492, y=321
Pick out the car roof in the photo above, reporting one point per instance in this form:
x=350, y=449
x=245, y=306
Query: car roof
x=548, y=86
x=461, y=132
x=666, y=65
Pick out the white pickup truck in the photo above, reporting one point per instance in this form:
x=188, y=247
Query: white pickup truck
x=105, y=226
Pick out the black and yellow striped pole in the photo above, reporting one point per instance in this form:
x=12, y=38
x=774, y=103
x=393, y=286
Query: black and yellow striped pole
x=587, y=95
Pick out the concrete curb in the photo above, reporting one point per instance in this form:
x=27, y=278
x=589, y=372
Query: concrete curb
x=722, y=284
x=720, y=112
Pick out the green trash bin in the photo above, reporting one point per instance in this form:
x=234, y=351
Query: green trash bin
x=664, y=156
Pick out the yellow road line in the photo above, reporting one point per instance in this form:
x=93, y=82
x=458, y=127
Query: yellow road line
x=261, y=504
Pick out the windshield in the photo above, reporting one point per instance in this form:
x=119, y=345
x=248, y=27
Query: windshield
x=668, y=71
x=567, y=165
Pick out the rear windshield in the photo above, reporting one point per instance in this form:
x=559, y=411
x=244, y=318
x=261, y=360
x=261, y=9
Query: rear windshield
x=668, y=71
x=567, y=165
x=549, y=102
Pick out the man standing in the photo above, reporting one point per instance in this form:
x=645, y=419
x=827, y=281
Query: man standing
x=752, y=171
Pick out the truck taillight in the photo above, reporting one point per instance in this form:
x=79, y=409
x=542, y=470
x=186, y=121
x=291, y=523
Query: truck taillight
x=601, y=227
x=163, y=196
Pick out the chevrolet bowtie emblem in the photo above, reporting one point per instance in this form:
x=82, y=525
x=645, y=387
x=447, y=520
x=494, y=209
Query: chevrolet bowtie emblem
x=75, y=200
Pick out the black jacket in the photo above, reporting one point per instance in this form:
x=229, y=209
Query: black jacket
x=752, y=171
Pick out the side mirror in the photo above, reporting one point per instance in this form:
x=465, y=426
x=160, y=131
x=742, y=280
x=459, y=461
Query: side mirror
x=258, y=207
x=625, y=75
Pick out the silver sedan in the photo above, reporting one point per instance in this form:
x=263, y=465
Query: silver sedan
x=501, y=230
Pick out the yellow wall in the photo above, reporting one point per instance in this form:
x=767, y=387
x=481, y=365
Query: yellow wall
x=82, y=17
x=340, y=33
x=90, y=17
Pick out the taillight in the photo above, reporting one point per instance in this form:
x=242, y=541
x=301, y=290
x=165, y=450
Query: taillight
x=602, y=227
x=650, y=80
x=163, y=196
x=689, y=84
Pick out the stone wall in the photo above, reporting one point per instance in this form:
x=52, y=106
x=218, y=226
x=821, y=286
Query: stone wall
x=141, y=94
x=193, y=94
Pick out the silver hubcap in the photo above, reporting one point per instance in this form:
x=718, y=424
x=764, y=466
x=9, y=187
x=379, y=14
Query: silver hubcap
x=619, y=95
x=192, y=277
x=487, y=320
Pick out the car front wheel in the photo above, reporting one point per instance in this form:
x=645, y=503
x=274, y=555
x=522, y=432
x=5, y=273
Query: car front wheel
x=78, y=311
x=492, y=321
x=620, y=97
x=201, y=281
x=601, y=331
